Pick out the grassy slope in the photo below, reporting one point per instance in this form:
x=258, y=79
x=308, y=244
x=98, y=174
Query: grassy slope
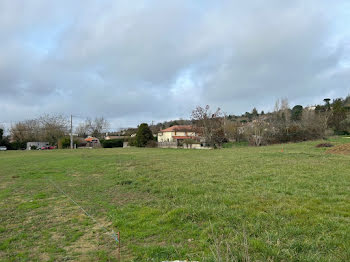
x=243, y=204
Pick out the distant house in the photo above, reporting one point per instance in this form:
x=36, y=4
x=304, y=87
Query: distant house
x=92, y=142
x=35, y=145
x=108, y=137
x=175, y=136
x=310, y=108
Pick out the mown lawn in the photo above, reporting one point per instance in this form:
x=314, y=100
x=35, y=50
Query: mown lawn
x=237, y=204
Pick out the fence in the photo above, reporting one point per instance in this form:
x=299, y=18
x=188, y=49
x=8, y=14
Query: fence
x=167, y=144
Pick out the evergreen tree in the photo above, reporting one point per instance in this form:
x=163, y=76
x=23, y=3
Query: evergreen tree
x=338, y=114
x=143, y=135
x=255, y=112
x=297, y=112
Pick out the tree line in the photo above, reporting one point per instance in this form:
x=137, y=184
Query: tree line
x=54, y=129
x=284, y=124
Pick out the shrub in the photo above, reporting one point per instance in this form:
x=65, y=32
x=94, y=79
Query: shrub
x=17, y=145
x=190, y=141
x=152, y=143
x=132, y=141
x=112, y=143
x=64, y=142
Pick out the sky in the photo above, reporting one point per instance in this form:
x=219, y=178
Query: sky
x=157, y=60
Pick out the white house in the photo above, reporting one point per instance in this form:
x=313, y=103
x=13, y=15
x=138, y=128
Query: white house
x=176, y=135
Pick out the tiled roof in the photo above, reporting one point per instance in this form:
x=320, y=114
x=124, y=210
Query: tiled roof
x=185, y=137
x=89, y=139
x=178, y=128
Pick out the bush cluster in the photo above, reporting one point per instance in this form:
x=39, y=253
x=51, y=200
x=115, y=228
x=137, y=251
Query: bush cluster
x=15, y=145
x=112, y=143
x=64, y=142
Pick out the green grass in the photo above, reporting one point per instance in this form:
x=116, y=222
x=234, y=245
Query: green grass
x=235, y=204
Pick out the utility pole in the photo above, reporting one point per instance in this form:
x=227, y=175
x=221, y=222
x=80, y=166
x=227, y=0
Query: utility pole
x=71, y=131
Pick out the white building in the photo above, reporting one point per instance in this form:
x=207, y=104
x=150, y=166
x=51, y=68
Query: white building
x=175, y=136
x=36, y=145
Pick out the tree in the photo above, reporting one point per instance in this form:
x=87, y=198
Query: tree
x=173, y=123
x=249, y=116
x=282, y=111
x=93, y=127
x=82, y=130
x=255, y=113
x=64, y=142
x=326, y=100
x=256, y=132
x=338, y=115
x=314, y=123
x=52, y=127
x=297, y=112
x=233, y=131
x=210, y=124
x=345, y=125
x=25, y=131
x=3, y=141
x=143, y=135
x=48, y=128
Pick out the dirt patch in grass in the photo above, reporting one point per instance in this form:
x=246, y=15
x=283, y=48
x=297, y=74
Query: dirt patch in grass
x=325, y=145
x=4, y=185
x=341, y=149
x=92, y=240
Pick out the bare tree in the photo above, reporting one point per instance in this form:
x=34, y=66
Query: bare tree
x=282, y=112
x=315, y=123
x=53, y=127
x=233, y=130
x=82, y=130
x=259, y=132
x=93, y=127
x=28, y=130
x=209, y=124
x=48, y=128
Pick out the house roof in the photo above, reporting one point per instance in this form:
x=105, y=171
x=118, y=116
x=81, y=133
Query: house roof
x=178, y=128
x=185, y=137
x=89, y=139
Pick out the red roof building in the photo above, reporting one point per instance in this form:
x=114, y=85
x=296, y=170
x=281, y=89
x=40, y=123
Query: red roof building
x=177, y=134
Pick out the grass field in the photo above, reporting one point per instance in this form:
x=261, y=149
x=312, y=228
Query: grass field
x=237, y=204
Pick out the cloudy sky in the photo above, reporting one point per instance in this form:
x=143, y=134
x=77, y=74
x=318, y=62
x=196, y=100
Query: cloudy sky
x=157, y=60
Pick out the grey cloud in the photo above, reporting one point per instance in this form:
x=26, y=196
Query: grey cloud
x=159, y=59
